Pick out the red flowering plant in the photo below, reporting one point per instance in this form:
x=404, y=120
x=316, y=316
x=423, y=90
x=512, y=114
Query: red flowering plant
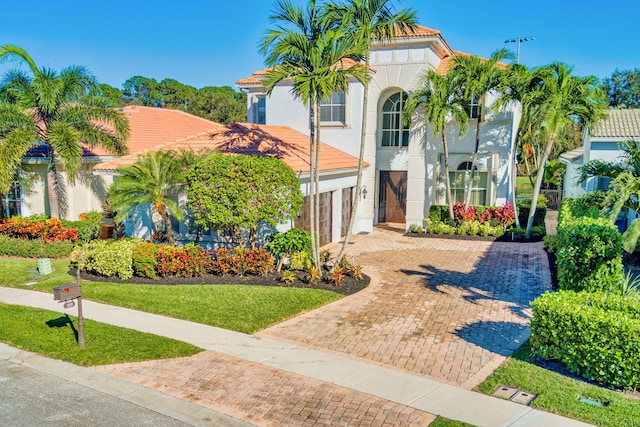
x=32, y=228
x=463, y=213
x=503, y=216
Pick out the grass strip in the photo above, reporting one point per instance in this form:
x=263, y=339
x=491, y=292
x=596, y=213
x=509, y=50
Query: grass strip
x=559, y=393
x=27, y=328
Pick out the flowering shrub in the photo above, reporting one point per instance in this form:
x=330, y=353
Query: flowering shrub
x=37, y=227
x=463, y=213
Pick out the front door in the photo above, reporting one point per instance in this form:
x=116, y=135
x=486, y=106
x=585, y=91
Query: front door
x=392, y=196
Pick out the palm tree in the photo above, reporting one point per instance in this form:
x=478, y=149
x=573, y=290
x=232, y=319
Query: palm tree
x=479, y=76
x=307, y=49
x=367, y=21
x=60, y=120
x=16, y=126
x=152, y=180
x=563, y=100
x=443, y=100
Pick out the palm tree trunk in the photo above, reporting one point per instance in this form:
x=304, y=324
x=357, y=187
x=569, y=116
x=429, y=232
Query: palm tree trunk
x=52, y=185
x=447, y=178
x=312, y=183
x=538, y=184
x=317, y=185
x=514, y=177
x=363, y=134
x=467, y=199
x=162, y=210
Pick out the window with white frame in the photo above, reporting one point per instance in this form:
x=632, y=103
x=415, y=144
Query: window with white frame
x=332, y=110
x=260, y=110
x=394, y=131
x=459, y=180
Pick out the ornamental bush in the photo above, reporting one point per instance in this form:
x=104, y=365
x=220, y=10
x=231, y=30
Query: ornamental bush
x=242, y=261
x=108, y=258
x=37, y=227
x=589, y=205
x=524, y=206
x=189, y=261
x=596, y=335
x=88, y=225
x=589, y=255
x=144, y=259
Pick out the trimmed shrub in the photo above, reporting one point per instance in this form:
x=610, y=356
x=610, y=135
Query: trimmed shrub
x=294, y=239
x=524, y=206
x=37, y=227
x=439, y=213
x=11, y=246
x=242, y=261
x=109, y=258
x=594, y=334
x=589, y=255
x=88, y=225
x=189, y=261
x=588, y=205
x=144, y=259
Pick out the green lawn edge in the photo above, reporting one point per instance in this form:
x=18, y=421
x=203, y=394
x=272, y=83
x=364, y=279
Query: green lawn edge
x=559, y=394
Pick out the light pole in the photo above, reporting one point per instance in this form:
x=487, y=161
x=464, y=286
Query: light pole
x=519, y=40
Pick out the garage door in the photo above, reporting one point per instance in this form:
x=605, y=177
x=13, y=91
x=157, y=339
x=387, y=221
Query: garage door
x=326, y=214
x=347, y=204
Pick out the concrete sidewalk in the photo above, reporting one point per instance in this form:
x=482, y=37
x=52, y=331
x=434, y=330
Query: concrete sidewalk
x=402, y=388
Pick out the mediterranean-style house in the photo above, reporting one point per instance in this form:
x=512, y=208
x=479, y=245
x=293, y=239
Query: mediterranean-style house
x=404, y=176
x=149, y=127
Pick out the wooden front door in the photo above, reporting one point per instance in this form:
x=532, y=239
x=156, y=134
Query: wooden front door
x=392, y=196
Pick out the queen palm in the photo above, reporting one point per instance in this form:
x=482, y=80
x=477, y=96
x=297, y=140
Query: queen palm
x=308, y=50
x=561, y=101
x=479, y=77
x=151, y=181
x=367, y=21
x=443, y=100
x=62, y=123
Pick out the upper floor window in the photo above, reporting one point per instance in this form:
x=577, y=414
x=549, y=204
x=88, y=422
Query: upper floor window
x=394, y=132
x=260, y=112
x=332, y=111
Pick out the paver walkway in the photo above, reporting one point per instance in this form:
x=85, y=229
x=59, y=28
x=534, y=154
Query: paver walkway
x=449, y=310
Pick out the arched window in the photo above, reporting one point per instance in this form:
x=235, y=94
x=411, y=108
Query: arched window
x=394, y=132
x=478, y=186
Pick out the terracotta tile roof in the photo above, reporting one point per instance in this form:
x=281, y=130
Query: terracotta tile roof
x=257, y=76
x=447, y=62
x=282, y=142
x=419, y=31
x=619, y=124
x=149, y=127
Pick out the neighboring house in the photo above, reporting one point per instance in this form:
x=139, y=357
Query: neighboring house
x=338, y=174
x=601, y=144
x=149, y=127
x=405, y=174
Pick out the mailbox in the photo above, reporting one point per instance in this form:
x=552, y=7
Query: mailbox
x=65, y=292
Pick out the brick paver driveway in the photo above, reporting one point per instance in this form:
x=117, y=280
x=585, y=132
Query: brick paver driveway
x=450, y=310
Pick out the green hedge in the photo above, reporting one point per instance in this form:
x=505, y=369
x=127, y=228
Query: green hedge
x=588, y=205
x=524, y=206
x=108, y=258
x=589, y=255
x=25, y=248
x=597, y=335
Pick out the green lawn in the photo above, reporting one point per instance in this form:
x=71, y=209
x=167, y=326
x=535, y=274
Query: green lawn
x=523, y=187
x=27, y=328
x=559, y=394
x=239, y=308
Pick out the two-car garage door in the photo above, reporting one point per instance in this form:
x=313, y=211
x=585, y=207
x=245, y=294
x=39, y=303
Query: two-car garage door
x=326, y=214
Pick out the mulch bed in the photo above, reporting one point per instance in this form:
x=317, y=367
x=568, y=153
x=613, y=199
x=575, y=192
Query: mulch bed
x=505, y=238
x=349, y=284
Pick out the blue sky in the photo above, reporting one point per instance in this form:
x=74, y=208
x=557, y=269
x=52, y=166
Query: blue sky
x=214, y=43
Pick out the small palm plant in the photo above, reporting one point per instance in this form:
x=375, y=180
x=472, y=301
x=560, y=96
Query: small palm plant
x=630, y=285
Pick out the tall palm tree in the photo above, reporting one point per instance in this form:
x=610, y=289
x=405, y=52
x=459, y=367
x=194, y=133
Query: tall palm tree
x=151, y=181
x=308, y=50
x=61, y=121
x=479, y=76
x=563, y=100
x=16, y=127
x=368, y=21
x=443, y=100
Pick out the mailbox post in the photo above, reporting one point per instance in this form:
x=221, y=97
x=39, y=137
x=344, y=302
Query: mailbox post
x=67, y=293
